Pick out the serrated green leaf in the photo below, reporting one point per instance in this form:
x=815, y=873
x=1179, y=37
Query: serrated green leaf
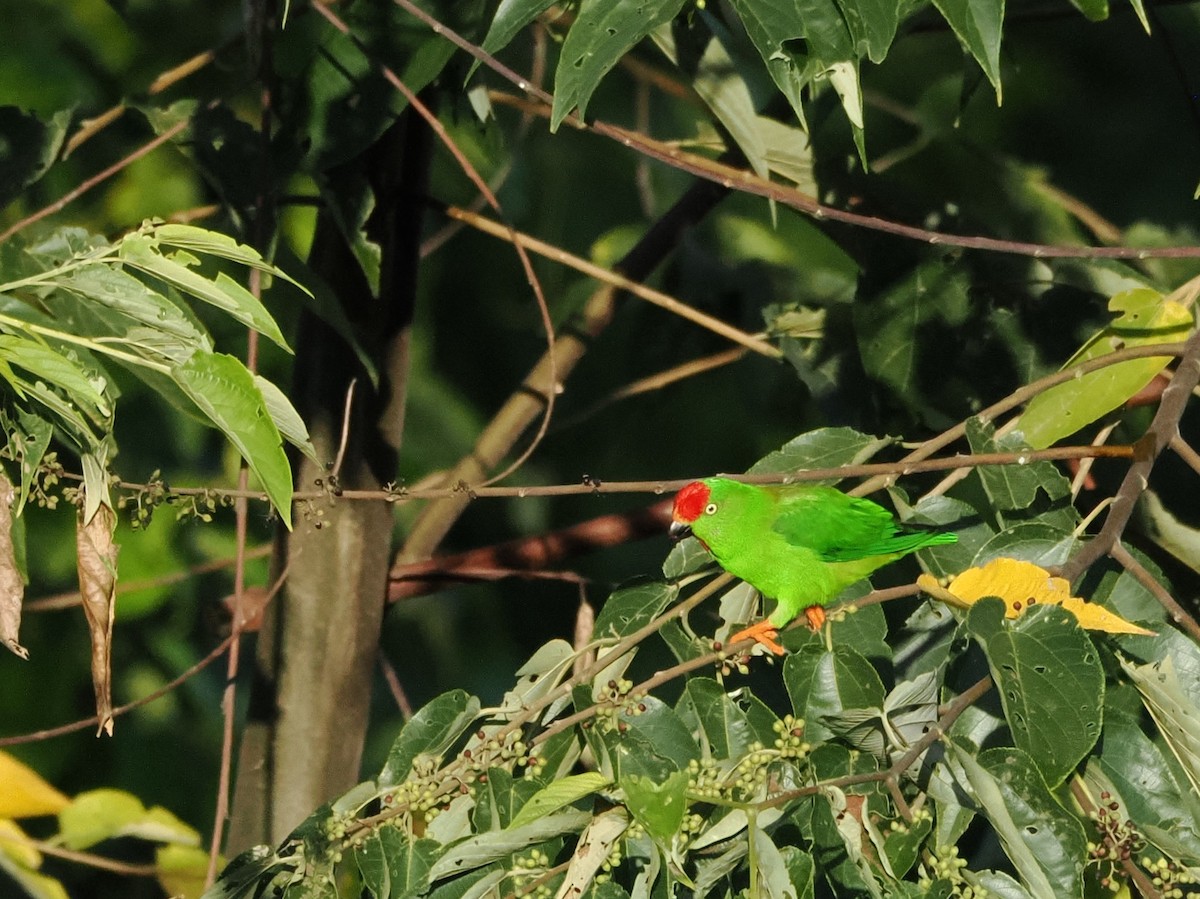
x=1047, y=845
x=123, y=293
x=603, y=31
x=556, y=795
x=628, y=610
x=1050, y=681
x=393, y=864
x=224, y=390
x=822, y=448
x=223, y=292
x=823, y=684
x=978, y=25
x=429, y=732
x=1144, y=317
x=657, y=806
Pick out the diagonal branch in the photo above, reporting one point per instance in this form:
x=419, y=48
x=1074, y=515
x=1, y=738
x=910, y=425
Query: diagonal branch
x=1163, y=429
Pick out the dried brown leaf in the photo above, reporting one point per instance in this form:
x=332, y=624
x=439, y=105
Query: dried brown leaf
x=12, y=588
x=96, y=560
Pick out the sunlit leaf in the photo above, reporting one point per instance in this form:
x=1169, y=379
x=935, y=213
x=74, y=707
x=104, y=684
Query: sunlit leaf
x=25, y=793
x=659, y=807
x=1022, y=585
x=977, y=24
x=561, y=792
x=1174, y=711
x=99, y=815
x=430, y=732
x=182, y=870
x=1143, y=317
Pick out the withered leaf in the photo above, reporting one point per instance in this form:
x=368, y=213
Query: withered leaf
x=96, y=560
x=12, y=588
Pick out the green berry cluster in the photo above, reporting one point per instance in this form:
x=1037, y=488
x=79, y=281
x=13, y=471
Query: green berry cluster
x=528, y=875
x=1172, y=879
x=616, y=699
x=142, y=502
x=1119, y=841
x=790, y=742
x=948, y=868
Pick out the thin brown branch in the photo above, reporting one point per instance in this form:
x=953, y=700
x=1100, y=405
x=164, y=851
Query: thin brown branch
x=649, y=294
x=99, y=178
x=1145, y=886
x=528, y=555
x=469, y=170
x=68, y=599
x=87, y=723
x=83, y=858
x=1175, y=611
x=392, y=679
x=748, y=182
x=1163, y=428
x=1184, y=451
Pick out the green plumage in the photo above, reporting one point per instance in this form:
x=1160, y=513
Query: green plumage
x=800, y=545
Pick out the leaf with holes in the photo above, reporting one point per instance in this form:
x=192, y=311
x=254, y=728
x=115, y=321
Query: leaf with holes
x=1050, y=681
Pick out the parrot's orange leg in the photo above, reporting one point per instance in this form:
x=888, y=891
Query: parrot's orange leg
x=764, y=632
x=815, y=616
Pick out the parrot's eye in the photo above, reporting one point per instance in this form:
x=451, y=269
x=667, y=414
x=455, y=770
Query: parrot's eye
x=710, y=508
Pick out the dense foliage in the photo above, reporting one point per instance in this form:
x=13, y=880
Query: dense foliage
x=749, y=220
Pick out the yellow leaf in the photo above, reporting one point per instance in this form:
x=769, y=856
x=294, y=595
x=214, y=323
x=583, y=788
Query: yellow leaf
x=181, y=870
x=1021, y=585
x=24, y=794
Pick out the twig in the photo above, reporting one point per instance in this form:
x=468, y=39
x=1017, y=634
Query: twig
x=84, y=858
x=1184, y=451
x=1175, y=611
x=649, y=294
x=101, y=176
x=86, y=723
x=469, y=170
x=397, y=689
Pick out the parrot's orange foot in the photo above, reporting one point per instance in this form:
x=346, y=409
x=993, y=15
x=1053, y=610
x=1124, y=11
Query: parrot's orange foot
x=764, y=632
x=815, y=616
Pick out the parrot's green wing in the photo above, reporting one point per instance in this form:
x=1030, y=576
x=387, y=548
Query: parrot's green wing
x=841, y=528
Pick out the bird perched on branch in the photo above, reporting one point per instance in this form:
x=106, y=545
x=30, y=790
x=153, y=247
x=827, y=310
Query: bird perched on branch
x=800, y=545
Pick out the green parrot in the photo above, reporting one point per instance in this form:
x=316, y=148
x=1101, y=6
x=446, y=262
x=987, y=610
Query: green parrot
x=801, y=545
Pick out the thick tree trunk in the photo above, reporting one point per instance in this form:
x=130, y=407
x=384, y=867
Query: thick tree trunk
x=303, y=741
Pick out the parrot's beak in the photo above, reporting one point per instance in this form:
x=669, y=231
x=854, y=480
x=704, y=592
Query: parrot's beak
x=678, y=530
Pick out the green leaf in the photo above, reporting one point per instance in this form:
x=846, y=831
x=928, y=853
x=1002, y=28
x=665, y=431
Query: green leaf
x=629, y=610
x=291, y=426
x=1050, y=681
x=28, y=147
x=603, y=31
x=559, y=793
x=393, y=864
x=223, y=292
x=213, y=243
x=978, y=25
x=430, y=732
x=800, y=870
x=99, y=815
x=659, y=807
x=511, y=16
x=1012, y=486
x=473, y=885
x=773, y=878
x=892, y=326
x=225, y=391
x=31, y=439
x=485, y=848
x=823, y=684
x=1173, y=710
x=708, y=709
x=1096, y=10
x=123, y=293
x=87, y=393
x=872, y=25
x=822, y=448
x=1047, y=844
x=1149, y=791
x=662, y=729
x=1144, y=317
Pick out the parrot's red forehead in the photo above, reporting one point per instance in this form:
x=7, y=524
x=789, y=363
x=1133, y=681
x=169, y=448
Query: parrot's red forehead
x=690, y=501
